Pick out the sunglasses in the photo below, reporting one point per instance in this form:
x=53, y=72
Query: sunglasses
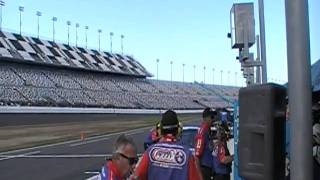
x=132, y=160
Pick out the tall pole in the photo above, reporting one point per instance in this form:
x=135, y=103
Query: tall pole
x=68, y=24
x=299, y=88
x=221, y=77
x=183, y=72
x=235, y=78
x=54, y=19
x=228, y=77
x=38, y=15
x=171, y=71
x=122, y=36
x=2, y=3
x=204, y=74
x=77, y=26
x=157, y=69
x=258, y=69
x=21, y=9
x=263, y=42
x=86, y=27
x=111, y=34
x=194, y=73
x=99, y=32
x=212, y=75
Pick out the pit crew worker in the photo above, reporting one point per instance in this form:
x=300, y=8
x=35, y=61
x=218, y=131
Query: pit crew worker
x=153, y=136
x=222, y=160
x=167, y=159
x=123, y=160
x=203, y=151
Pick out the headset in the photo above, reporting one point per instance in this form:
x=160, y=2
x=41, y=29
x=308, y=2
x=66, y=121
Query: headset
x=180, y=127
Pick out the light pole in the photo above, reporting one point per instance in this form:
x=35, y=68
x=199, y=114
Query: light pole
x=99, y=32
x=235, y=78
x=38, y=15
x=111, y=34
x=2, y=3
x=221, y=77
x=262, y=41
x=194, y=73
x=68, y=24
x=204, y=74
x=122, y=36
x=157, y=69
x=183, y=72
x=86, y=27
x=21, y=9
x=77, y=26
x=229, y=78
x=54, y=19
x=212, y=75
x=171, y=70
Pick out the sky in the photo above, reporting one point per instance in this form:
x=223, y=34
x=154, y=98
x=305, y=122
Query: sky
x=186, y=32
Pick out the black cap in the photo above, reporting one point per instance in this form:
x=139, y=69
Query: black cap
x=169, y=122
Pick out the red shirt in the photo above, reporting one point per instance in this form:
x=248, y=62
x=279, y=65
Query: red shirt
x=110, y=172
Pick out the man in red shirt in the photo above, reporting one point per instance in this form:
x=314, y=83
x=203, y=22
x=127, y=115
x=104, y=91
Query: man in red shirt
x=123, y=160
x=202, y=144
x=168, y=159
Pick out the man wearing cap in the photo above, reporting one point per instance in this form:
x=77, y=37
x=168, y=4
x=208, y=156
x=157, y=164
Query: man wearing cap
x=222, y=160
x=167, y=159
x=123, y=160
x=203, y=151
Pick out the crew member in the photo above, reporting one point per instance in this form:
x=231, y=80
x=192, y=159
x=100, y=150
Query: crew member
x=203, y=151
x=123, y=160
x=222, y=160
x=167, y=159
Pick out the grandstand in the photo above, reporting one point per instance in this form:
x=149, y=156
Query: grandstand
x=35, y=72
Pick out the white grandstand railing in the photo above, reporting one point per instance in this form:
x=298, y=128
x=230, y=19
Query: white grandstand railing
x=67, y=110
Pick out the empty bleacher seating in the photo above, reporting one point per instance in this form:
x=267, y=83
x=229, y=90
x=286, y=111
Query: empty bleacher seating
x=36, y=72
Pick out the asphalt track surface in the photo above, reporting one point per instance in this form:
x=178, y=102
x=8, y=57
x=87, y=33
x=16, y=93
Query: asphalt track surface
x=68, y=160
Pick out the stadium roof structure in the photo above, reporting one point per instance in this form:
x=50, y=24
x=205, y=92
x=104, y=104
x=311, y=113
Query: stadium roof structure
x=15, y=47
x=315, y=76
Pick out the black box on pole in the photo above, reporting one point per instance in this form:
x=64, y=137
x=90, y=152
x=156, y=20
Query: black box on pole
x=261, y=147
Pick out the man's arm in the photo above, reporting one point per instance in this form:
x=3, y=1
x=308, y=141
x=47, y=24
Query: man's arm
x=199, y=142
